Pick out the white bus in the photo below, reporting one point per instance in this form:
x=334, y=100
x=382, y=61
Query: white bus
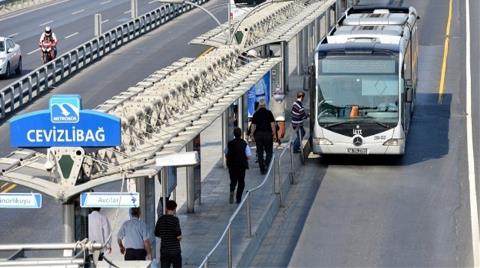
x=366, y=79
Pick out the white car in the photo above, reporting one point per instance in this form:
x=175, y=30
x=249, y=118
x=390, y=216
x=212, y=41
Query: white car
x=10, y=57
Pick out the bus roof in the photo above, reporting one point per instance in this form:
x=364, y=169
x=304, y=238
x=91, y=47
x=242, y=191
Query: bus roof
x=357, y=48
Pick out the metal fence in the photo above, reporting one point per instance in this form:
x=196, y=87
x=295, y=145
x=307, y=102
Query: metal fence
x=274, y=175
x=39, y=81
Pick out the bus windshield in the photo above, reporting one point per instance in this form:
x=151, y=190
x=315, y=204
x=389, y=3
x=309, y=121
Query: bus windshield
x=356, y=89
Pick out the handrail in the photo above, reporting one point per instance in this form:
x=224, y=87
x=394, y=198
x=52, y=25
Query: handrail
x=29, y=87
x=244, y=200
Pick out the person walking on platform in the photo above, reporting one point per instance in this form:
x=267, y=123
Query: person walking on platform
x=99, y=230
x=168, y=230
x=237, y=154
x=133, y=239
x=298, y=115
x=263, y=129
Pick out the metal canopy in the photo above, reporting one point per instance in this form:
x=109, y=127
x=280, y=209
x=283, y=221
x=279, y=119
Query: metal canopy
x=255, y=25
x=160, y=115
x=295, y=25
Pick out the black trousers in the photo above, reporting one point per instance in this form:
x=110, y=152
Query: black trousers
x=237, y=176
x=132, y=254
x=168, y=259
x=264, y=142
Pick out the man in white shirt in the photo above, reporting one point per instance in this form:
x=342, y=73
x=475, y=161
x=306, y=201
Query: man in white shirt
x=99, y=229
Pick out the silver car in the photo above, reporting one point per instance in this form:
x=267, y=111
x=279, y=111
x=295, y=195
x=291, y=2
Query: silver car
x=10, y=57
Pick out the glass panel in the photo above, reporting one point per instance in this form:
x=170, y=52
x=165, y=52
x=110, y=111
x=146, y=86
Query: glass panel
x=2, y=46
x=357, y=89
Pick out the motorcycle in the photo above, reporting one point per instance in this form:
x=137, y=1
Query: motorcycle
x=47, y=48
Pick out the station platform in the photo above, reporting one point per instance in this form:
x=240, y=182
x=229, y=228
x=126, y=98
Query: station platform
x=202, y=229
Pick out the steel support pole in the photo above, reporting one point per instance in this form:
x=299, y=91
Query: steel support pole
x=299, y=53
x=240, y=114
x=68, y=222
x=190, y=182
x=164, y=182
x=146, y=188
x=134, y=8
x=284, y=70
x=224, y=136
x=229, y=245
x=98, y=24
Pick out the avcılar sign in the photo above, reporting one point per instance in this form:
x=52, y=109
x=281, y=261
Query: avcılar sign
x=65, y=124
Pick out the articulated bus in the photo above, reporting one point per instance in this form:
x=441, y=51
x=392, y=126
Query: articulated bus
x=366, y=79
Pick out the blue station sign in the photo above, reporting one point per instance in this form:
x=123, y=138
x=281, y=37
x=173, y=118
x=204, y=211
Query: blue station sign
x=65, y=124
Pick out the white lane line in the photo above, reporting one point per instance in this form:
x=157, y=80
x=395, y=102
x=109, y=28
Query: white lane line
x=12, y=35
x=105, y=2
x=72, y=35
x=35, y=9
x=78, y=12
x=31, y=52
x=127, y=12
x=45, y=23
x=154, y=1
x=104, y=21
x=471, y=157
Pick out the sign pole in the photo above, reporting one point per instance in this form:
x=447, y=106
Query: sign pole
x=68, y=222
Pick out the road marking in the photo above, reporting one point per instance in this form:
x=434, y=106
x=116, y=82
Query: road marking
x=12, y=35
x=4, y=185
x=105, y=2
x=471, y=155
x=72, y=35
x=443, y=74
x=127, y=12
x=9, y=188
x=104, y=21
x=45, y=23
x=152, y=2
x=206, y=51
x=78, y=12
x=34, y=9
x=31, y=52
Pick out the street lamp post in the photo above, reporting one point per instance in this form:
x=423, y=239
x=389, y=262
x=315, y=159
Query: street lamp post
x=226, y=33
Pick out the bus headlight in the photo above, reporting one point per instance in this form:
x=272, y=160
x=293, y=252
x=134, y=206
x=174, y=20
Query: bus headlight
x=322, y=141
x=392, y=142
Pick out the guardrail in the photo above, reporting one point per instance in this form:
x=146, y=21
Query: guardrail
x=274, y=173
x=39, y=81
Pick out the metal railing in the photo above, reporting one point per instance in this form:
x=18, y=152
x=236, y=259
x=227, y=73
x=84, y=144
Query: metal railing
x=273, y=172
x=40, y=80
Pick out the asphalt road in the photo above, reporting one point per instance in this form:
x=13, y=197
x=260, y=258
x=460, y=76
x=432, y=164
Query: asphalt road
x=380, y=212
x=104, y=79
x=71, y=20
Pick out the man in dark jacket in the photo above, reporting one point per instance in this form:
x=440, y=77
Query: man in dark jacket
x=237, y=153
x=168, y=230
x=263, y=129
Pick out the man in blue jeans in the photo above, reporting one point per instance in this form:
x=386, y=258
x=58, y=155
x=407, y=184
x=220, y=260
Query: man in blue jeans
x=298, y=115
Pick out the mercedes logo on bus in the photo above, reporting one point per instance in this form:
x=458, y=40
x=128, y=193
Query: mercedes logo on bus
x=357, y=141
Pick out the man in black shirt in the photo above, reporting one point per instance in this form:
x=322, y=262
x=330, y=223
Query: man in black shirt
x=237, y=153
x=168, y=230
x=263, y=129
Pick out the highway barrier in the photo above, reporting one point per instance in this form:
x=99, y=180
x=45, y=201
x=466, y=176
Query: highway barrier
x=39, y=81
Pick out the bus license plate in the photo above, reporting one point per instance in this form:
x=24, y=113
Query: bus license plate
x=357, y=150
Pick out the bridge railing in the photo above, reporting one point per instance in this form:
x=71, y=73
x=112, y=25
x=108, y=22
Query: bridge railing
x=39, y=81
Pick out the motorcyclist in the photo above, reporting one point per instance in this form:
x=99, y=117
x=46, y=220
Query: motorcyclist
x=49, y=35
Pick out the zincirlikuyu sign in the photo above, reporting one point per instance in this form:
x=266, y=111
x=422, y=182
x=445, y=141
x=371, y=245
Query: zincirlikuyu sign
x=65, y=124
